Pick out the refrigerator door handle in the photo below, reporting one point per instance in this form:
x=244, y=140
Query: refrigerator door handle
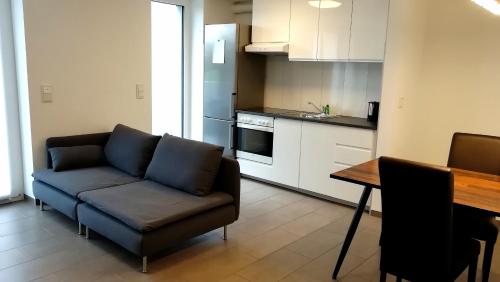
x=232, y=136
x=233, y=104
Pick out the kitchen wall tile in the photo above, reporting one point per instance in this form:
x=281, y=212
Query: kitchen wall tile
x=347, y=87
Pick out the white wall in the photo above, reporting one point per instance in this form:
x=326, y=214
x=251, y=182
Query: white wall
x=218, y=11
x=346, y=86
x=402, y=68
x=442, y=57
x=93, y=53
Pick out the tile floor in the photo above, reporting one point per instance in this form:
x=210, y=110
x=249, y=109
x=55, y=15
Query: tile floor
x=280, y=236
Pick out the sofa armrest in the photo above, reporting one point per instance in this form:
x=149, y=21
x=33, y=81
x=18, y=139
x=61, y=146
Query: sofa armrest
x=229, y=180
x=75, y=140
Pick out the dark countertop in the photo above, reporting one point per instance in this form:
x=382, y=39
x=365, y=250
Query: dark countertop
x=291, y=114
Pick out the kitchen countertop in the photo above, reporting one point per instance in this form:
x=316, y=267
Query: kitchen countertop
x=297, y=115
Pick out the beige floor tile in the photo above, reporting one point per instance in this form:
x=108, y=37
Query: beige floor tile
x=321, y=269
x=369, y=269
x=298, y=209
x=365, y=244
x=266, y=247
x=259, y=225
x=218, y=267
x=335, y=212
x=306, y=224
x=260, y=208
x=274, y=266
x=269, y=242
x=287, y=197
x=234, y=278
x=315, y=244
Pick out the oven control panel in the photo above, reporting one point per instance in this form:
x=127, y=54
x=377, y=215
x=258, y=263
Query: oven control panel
x=256, y=120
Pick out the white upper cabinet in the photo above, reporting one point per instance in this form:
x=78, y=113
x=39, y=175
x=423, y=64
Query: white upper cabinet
x=368, y=30
x=334, y=30
x=270, y=21
x=304, y=20
x=340, y=30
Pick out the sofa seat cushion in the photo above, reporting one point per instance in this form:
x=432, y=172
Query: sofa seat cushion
x=76, y=181
x=146, y=205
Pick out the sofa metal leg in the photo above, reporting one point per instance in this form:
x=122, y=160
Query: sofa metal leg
x=87, y=232
x=144, y=264
x=80, y=228
x=41, y=205
x=225, y=232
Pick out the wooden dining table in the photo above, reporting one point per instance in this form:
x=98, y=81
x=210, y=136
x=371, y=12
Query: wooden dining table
x=473, y=189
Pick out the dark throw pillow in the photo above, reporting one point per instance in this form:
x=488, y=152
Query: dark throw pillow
x=130, y=150
x=65, y=158
x=186, y=165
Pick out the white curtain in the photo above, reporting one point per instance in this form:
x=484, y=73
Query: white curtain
x=11, y=179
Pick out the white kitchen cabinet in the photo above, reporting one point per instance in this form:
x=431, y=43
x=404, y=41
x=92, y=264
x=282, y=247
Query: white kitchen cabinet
x=286, y=151
x=270, y=21
x=304, y=19
x=328, y=148
x=368, y=30
x=334, y=30
x=286, y=155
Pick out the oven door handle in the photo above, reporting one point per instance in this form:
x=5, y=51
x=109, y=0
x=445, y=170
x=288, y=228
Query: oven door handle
x=255, y=127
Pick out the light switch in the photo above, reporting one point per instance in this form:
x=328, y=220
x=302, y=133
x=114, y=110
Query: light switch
x=139, y=91
x=46, y=90
x=401, y=102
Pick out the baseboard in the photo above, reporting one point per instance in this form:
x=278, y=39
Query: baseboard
x=376, y=213
x=11, y=200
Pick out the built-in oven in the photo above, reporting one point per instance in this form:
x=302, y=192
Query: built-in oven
x=254, y=138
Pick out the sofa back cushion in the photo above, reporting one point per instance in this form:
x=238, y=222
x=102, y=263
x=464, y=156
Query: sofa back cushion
x=186, y=165
x=130, y=150
x=64, y=158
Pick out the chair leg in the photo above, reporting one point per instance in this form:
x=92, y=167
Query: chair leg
x=383, y=276
x=225, y=232
x=41, y=205
x=488, y=256
x=144, y=264
x=472, y=270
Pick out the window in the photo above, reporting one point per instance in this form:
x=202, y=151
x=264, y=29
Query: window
x=167, y=68
x=11, y=177
x=5, y=182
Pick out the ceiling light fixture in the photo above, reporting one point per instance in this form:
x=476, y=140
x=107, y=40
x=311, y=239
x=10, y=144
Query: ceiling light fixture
x=324, y=4
x=491, y=5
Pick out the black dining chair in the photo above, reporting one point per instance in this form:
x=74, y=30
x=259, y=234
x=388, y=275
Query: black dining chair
x=419, y=241
x=479, y=153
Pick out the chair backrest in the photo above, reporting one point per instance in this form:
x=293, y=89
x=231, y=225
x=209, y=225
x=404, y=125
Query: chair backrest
x=417, y=219
x=475, y=152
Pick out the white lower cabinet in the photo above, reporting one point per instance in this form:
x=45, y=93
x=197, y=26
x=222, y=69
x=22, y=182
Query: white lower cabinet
x=286, y=155
x=305, y=153
x=329, y=148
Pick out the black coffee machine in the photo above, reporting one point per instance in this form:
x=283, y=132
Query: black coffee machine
x=373, y=111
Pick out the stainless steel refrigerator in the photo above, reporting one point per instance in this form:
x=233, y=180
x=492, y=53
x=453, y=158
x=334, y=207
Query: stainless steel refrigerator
x=233, y=80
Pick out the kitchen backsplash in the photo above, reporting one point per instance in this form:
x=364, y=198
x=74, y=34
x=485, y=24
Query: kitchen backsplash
x=348, y=87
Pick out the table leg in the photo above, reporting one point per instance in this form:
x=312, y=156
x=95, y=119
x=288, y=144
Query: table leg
x=352, y=229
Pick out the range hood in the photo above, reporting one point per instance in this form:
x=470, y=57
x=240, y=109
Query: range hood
x=280, y=48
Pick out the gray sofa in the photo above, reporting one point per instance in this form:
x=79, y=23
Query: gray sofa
x=140, y=191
